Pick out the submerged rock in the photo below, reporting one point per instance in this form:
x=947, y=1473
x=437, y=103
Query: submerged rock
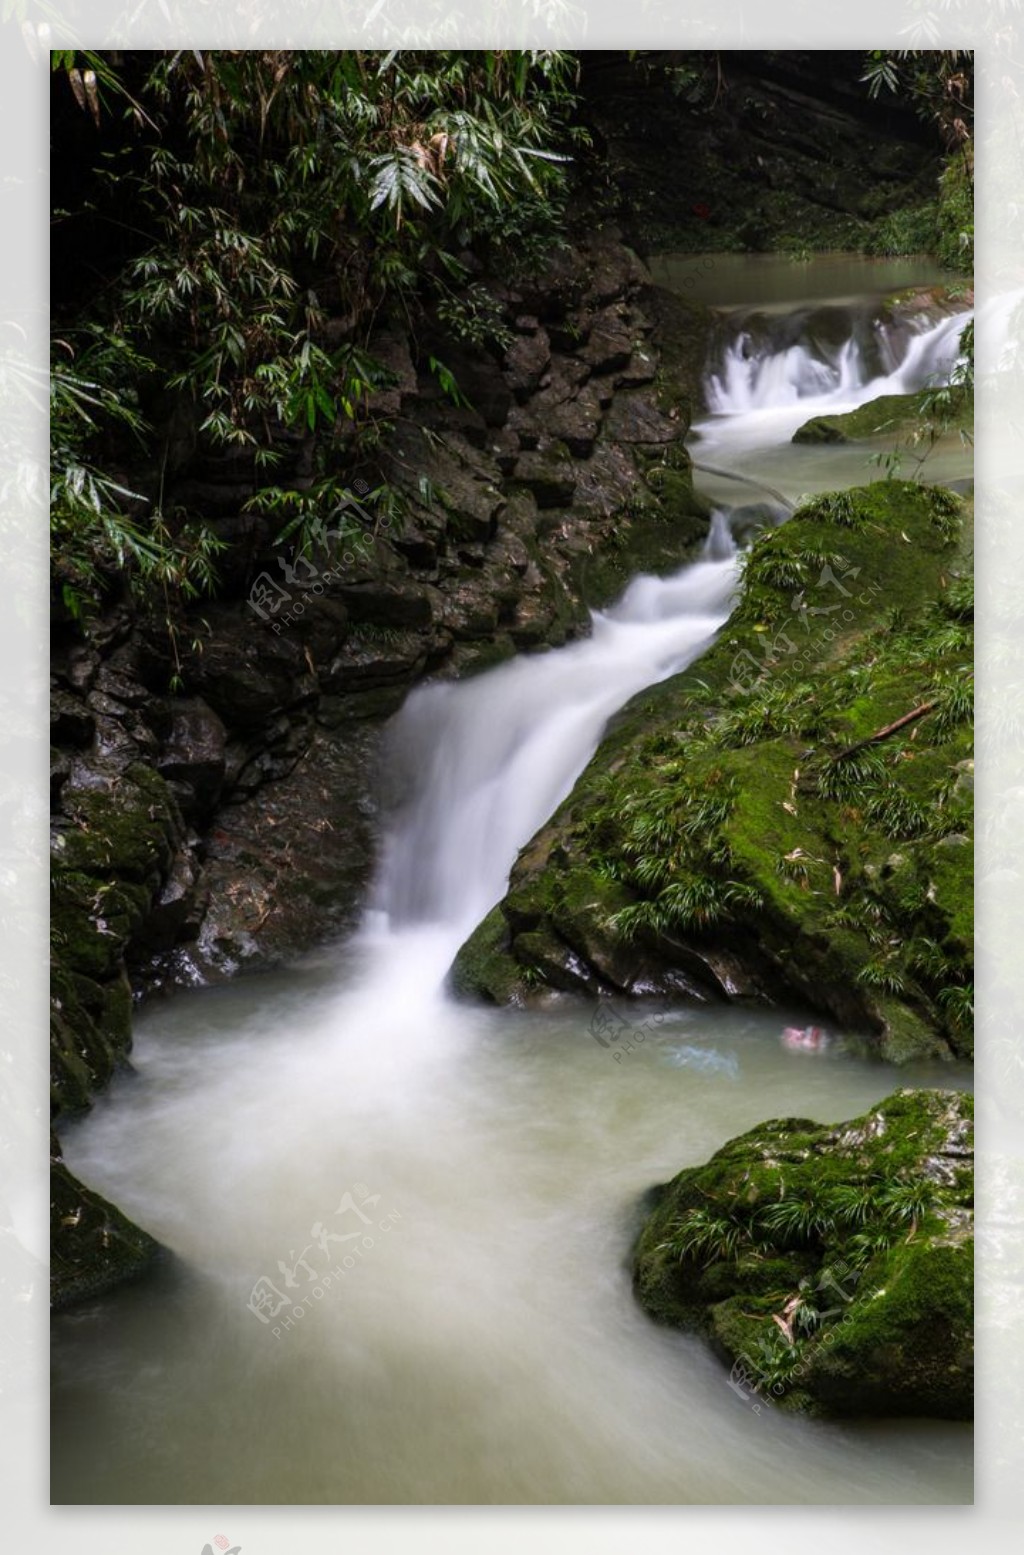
x=831, y=1266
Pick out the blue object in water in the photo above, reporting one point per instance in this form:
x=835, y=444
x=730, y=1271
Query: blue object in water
x=704, y=1059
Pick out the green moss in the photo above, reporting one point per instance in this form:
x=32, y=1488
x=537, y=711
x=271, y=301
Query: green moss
x=107, y=868
x=128, y=832
x=834, y=1262
x=484, y=968
x=889, y=413
x=906, y=1346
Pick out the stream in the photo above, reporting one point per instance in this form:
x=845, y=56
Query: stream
x=402, y=1225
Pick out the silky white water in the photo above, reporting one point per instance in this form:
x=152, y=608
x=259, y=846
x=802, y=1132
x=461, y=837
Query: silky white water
x=443, y=1197
x=793, y=383
x=490, y=759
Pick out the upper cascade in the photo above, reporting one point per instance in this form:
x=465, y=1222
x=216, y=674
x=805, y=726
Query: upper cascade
x=831, y=357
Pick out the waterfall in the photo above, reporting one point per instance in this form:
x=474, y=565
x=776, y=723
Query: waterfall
x=751, y=375
x=484, y=762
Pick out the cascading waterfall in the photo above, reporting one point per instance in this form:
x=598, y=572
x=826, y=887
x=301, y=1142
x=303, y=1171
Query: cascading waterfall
x=750, y=377
x=488, y=760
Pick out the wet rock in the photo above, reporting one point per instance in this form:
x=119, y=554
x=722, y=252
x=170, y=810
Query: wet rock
x=120, y=687
x=576, y=422
x=110, y=629
x=535, y=623
x=287, y=868
x=93, y=1245
x=387, y=605
x=105, y=706
x=549, y=476
x=632, y=418
x=610, y=345
x=503, y=446
x=556, y=962
x=471, y=610
x=565, y=380
x=370, y=704
x=60, y=771
x=528, y=358
x=245, y=671
x=177, y=913
x=613, y=270
x=193, y=757
x=420, y=548
x=82, y=666
x=371, y=658
x=555, y=286
x=392, y=351
x=641, y=368
x=749, y=519
x=71, y=722
x=895, y=415
x=479, y=378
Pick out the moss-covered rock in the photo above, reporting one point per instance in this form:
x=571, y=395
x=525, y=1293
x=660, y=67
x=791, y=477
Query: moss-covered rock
x=93, y=1246
x=897, y=414
x=784, y=820
x=111, y=859
x=830, y=1266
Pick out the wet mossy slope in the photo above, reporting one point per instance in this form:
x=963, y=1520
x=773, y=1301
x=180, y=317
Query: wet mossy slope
x=790, y=818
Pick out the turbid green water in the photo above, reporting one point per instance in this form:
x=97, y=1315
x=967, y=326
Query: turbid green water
x=486, y=1347
x=775, y=282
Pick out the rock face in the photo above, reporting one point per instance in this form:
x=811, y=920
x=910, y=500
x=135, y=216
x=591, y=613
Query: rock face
x=773, y=150
x=832, y=1267
x=785, y=821
x=511, y=519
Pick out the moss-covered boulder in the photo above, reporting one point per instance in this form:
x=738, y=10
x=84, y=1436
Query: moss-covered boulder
x=832, y=1267
x=899, y=414
x=111, y=861
x=93, y=1247
x=786, y=820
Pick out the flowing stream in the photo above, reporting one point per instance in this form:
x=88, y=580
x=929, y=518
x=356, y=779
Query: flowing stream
x=402, y=1225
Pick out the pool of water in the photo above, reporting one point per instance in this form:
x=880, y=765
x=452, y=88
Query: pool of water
x=483, y=1344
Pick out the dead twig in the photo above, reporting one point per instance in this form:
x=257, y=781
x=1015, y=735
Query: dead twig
x=881, y=734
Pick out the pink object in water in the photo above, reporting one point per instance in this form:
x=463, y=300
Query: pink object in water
x=810, y=1039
